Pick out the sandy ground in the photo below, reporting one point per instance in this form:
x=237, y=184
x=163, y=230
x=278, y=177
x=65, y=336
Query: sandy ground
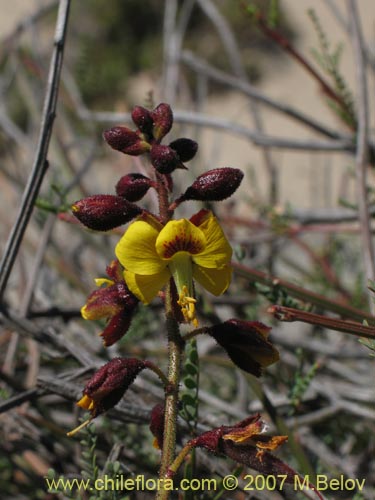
x=306, y=180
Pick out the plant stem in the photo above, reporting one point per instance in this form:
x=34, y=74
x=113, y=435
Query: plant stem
x=290, y=314
x=175, y=348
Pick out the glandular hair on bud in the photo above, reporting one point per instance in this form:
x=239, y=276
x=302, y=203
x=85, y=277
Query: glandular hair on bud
x=214, y=185
x=103, y=212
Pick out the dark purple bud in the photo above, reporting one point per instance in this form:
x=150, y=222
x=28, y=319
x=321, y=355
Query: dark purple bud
x=133, y=187
x=214, y=185
x=185, y=148
x=116, y=328
x=162, y=117
x=108, y=385
x=103, y=212
x=164, y=159
x=143, y=119
x=157, y=425
x=125, y=140
x=246, y=343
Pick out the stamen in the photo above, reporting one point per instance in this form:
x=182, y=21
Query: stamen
x=77, y=429
x=187, y=305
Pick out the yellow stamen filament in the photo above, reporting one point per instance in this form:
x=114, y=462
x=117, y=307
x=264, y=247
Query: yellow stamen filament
x=187, y=305
x=77, y=429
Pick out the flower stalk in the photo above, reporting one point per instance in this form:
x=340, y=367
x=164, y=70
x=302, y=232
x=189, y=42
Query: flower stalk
x=175, y=351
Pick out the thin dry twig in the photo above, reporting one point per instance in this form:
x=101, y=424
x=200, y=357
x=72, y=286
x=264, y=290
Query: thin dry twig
x=290, y=314
x=40, y=162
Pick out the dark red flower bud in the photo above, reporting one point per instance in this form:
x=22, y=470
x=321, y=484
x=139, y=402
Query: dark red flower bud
x=162, y=117
x=157, y=425
x=143, y=119
x=103, y=212
x=214, y=185
x=133, y=187
x=108, y=385
x=125, y=140
x=164, y=159
x=185, y=148
x=246, y=344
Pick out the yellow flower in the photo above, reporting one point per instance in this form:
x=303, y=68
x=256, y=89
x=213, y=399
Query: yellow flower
x=183, y=249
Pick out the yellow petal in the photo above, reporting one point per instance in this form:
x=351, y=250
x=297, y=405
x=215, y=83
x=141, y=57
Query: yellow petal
x=145, y=288
x=180, y=236
x=218, y=252
x=136, y=249
x=215, y=281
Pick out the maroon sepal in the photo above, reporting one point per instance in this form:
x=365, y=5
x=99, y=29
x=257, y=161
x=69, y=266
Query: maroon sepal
x=214, y=185
x=133, y=187
x=157, y=425
x=126, y=141
x=143, y=119
x=185, y=148
x=103, y=212
x=108, y=385
x=246, y=344
x=162, y=117
x=164, y=159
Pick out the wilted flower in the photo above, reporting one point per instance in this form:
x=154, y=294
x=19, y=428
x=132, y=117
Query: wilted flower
x=103, y=212
x=246, y=343
x=247, y=443
x=107, y=386
x=114, y=301
x=182, y=249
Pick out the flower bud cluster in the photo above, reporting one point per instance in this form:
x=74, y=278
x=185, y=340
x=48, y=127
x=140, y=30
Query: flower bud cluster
x=104, y=212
